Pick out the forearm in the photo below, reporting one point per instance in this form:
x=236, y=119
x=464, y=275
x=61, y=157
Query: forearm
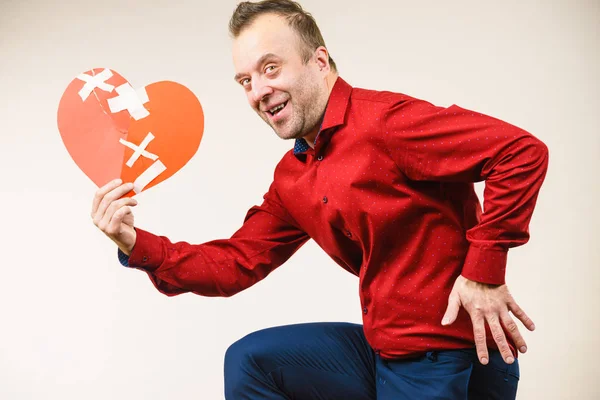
x=218, y=268
x=458, y=145
x=267, y=238
x=511, y=191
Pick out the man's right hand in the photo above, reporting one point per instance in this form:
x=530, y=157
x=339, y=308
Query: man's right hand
x=112, y=214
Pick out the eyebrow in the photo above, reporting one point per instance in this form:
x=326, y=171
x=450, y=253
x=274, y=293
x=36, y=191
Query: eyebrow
x=260, y=61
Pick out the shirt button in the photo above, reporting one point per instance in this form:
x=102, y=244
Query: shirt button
x=320, y=158
x=324, y=199
x=348, y=233
x=365, y=310
x=144, y=259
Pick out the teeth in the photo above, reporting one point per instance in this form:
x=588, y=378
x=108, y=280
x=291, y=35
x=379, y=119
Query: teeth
x=275, y=109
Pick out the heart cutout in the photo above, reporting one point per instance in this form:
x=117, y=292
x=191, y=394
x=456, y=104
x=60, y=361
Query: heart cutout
x=141, y=135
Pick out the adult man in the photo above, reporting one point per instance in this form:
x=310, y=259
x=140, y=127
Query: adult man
x=383, y=182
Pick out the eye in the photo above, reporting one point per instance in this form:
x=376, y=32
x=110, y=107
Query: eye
x=245, y=81
x=270, y=68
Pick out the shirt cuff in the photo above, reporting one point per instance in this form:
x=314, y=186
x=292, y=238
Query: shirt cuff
x=148, y=252
x=485, y=265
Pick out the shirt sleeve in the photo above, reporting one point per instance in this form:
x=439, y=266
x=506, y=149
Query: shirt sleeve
x=224, y=267
x=434, y=143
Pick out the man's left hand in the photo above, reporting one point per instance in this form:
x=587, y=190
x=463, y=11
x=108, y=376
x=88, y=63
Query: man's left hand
x=490, y=303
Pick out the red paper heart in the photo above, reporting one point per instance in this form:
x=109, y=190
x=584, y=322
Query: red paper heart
x=141, y=135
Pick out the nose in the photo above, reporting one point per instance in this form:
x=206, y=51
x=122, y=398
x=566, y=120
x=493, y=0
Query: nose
x=260, y=90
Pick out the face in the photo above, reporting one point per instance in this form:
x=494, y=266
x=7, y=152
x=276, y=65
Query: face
x=286, y=93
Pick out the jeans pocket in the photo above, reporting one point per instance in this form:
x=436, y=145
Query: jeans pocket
x=495, y=381
x=427, y=378
x=498, y=363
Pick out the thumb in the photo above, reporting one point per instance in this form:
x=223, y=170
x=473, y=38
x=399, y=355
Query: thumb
x=452, y=309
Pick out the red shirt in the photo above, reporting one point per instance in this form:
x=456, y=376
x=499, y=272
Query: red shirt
x=387, y=192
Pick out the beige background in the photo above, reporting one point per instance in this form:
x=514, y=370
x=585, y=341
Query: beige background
x=76, y=325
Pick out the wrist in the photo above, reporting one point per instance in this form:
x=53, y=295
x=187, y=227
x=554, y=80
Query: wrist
x=125, y=247
x=125, y=250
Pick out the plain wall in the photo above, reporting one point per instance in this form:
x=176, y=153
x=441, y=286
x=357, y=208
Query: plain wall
x=75, y=324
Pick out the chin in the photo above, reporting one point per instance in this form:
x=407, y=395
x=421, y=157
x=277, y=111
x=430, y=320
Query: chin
x=286, y=135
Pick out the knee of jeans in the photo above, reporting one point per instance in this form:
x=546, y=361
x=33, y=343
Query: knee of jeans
x=235, y=356
x=235, y=367
x=242, y=357
x=246, y=362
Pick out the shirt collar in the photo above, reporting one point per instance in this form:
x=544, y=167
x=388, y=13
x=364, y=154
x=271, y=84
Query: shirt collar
x=335, y=112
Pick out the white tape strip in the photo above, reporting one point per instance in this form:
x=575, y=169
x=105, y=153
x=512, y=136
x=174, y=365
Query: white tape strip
x=131, y=100
x=148, y=176
x=139, y=150
x=96, y=81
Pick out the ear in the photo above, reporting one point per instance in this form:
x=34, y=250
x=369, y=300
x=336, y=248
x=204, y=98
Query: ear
x=322, y=58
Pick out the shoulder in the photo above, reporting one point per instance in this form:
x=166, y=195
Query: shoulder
x=382, y=97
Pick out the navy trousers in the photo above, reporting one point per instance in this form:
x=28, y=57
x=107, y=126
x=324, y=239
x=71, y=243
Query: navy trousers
x=333, y=361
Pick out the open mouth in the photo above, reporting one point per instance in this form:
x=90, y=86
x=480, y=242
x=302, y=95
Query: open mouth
x=276, y=110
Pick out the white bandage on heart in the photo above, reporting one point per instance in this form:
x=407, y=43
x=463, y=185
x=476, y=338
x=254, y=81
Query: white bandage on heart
x=148, y=176
x=96, y=81
x=139, y=150
x=131, y=100
x=151, y=172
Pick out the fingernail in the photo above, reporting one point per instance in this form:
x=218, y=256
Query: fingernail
x=445, y=321
x=532, y=326
x=523, y=349
x=118, y=181
x=484, y=360
x=510, y=360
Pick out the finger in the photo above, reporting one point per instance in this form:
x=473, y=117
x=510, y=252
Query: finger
x=479, y=335
x=112, y=208
x=114, y=226
x=101, y=192
x=520, y=314
x=111, y=196
x=452, y=309
x=513, y=330
x=500, y=338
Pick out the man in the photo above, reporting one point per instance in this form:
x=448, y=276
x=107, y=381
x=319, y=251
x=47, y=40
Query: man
x=383, y=182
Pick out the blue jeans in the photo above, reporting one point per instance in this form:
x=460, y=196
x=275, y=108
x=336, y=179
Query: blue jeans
x=334, y=361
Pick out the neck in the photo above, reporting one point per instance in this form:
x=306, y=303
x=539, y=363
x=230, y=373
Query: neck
x=329, y=81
